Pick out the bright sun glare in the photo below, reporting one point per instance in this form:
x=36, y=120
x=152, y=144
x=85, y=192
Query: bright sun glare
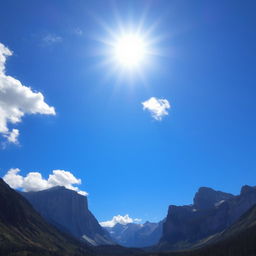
x=130, y=50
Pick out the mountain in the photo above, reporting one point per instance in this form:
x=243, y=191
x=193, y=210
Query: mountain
x=136, y=235
x=237, y=240
x=212, y=212
x=207, y=198
x=68, y=211
x=24, y=232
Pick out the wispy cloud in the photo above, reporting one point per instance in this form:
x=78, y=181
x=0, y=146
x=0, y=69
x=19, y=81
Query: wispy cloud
x=52, y=39
x=124, y=220
x=157, y=107
x=16, y=100
x=34, y=181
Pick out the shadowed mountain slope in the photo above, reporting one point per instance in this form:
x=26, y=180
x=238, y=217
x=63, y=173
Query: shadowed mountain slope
x=237, y=240
x=24, y=232
x=68, y=211
x=212, y=212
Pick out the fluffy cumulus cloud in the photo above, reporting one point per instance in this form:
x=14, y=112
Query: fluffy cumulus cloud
x=34, y=181
x=16, y=100
x=157, y=107
x=119, y=219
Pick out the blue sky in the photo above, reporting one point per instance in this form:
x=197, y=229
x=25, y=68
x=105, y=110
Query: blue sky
x=128, y=161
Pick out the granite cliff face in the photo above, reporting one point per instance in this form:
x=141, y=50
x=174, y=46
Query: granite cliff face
x=136, y=235
x=24, y=232
x=236, y=240
x=68, y=211
x=207, y=198
x=212, y=212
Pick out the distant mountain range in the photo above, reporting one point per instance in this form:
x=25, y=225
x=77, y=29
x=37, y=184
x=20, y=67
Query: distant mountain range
x=136, y=235
x=60, y=224
x=188, y=226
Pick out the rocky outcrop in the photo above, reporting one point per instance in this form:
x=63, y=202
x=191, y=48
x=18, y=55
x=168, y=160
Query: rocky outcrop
x=68, y=211
x=207, y=198
x=136, y=235
x=212, y=212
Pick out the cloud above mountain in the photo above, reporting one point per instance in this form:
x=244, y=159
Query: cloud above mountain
x=124, y=220
x=34, y=181
x=157, y=107
x=16, y=100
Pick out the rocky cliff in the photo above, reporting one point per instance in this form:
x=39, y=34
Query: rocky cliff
x=212, y=212
x=68, y=211
x=24, y=232
x=237, y=240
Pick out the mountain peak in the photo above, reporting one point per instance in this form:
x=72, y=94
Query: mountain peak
x=68, y=210
x=206, y=197
x=246, y=188
x=56, y=188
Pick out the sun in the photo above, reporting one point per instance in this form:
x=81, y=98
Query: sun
x=130, y=50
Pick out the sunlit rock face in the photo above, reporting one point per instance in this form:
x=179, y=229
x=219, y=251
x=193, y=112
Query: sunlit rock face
x=136, y=235
x=68, y=211
x=212, y=212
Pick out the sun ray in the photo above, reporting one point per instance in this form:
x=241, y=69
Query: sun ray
x=128, y=48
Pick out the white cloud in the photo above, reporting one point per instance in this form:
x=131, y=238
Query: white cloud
x=4, y=52
x=34, y=181
x=157, y=107
x=52, y=39
x=16, y=100
x=12, y=136
x=119, y=219
x=13, y=179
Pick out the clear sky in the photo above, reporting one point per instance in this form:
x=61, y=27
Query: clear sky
x=202, y=61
